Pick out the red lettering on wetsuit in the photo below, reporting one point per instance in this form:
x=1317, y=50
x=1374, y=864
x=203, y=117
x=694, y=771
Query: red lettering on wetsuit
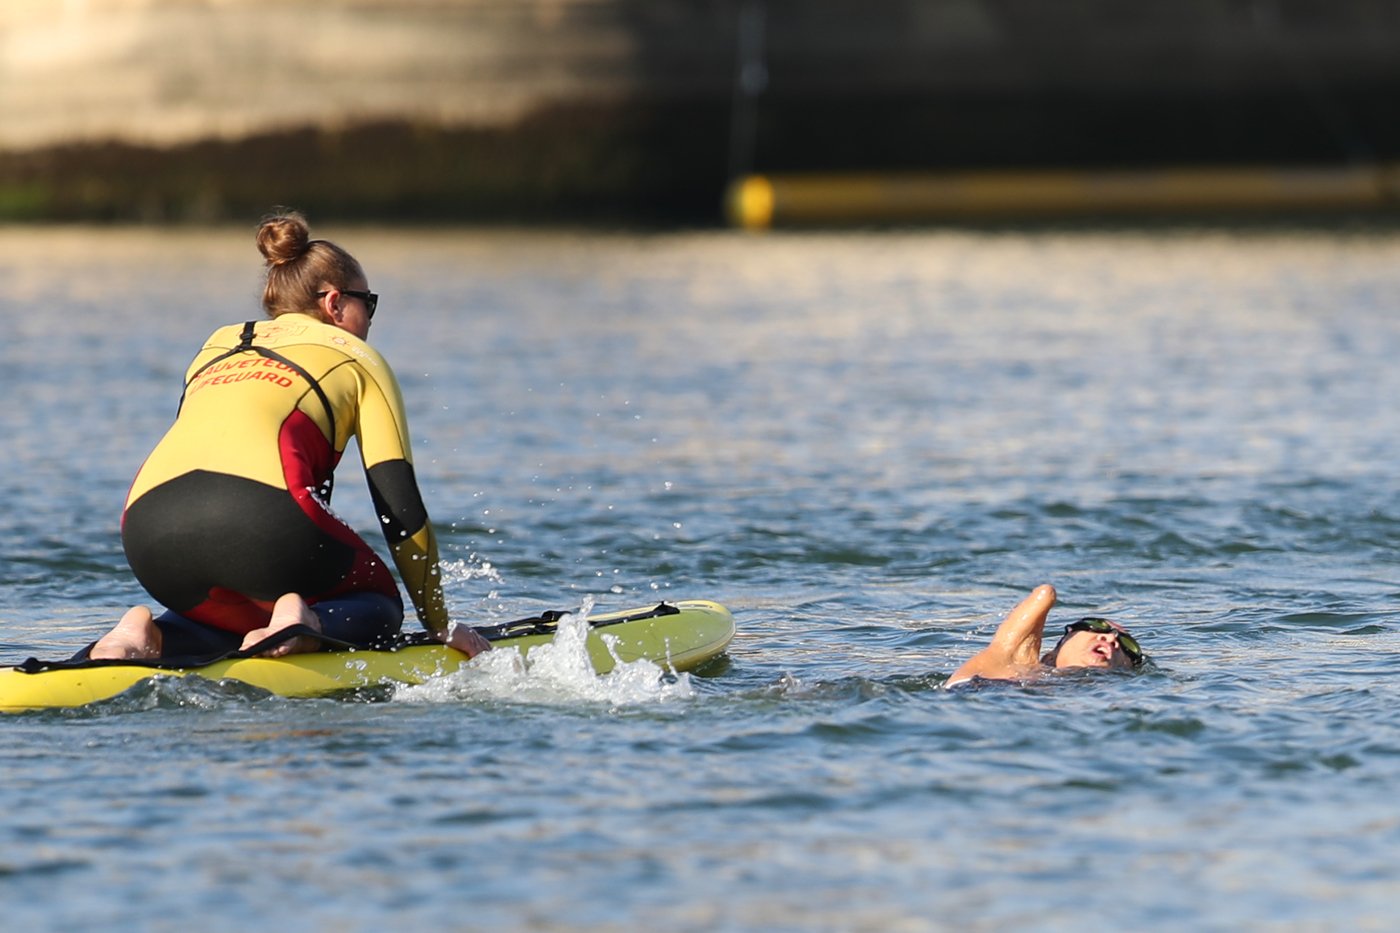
x=283, y=381
x=266, y=370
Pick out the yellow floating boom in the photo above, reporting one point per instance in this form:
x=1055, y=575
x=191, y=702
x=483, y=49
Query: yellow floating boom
x=758, y=202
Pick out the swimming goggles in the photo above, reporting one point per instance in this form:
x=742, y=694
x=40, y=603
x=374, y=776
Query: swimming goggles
x=1099, y=626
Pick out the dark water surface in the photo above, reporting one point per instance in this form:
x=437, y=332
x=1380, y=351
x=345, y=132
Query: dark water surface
x=870, y=447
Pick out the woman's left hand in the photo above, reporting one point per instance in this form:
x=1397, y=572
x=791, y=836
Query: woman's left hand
x=465, y=639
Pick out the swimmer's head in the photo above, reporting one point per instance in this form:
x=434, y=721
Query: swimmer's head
x=1095, y=642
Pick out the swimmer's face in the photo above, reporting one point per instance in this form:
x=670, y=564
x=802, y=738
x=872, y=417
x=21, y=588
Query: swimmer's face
x=1093, y=649
x=1097, y=642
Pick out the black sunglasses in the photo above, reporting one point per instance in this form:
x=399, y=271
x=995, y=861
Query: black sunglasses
x=370, y=299
x=1128, y=643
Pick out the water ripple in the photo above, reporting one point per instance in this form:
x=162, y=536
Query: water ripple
x=870, y=446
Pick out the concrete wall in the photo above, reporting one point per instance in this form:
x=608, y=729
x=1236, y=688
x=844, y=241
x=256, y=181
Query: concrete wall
x=533, y=107
x=175, y=71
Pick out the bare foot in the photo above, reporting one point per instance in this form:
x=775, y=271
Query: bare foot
x=136, y=637
x=465, y=639
x=289, y=610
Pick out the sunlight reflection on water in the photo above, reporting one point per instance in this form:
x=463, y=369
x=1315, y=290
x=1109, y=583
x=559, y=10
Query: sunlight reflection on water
x=869, y=446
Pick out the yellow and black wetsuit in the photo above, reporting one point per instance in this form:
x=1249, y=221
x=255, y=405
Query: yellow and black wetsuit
x=232, y=508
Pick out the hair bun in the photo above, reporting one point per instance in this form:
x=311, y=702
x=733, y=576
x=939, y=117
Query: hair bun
x=283, y=237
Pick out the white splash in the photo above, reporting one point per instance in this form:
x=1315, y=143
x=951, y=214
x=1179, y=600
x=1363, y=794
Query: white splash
x=469, y=569
x=558, y=673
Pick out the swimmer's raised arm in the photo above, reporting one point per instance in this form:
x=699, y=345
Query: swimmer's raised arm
x=1015, y=648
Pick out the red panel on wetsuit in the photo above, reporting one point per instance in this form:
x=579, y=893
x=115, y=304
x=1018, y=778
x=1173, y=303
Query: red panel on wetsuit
x=307, y=463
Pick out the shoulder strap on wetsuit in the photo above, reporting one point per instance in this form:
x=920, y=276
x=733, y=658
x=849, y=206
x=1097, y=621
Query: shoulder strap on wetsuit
x=245, y=345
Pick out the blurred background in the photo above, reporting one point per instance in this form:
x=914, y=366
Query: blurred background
x=695, y=111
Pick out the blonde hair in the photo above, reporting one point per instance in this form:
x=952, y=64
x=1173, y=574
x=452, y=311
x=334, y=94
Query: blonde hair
x=297, y=266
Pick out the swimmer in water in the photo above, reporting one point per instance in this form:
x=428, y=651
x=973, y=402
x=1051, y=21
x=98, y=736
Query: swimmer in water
x=1015, y=649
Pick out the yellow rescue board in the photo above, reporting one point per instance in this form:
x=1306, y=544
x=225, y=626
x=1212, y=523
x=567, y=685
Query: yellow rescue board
x=679, y=636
